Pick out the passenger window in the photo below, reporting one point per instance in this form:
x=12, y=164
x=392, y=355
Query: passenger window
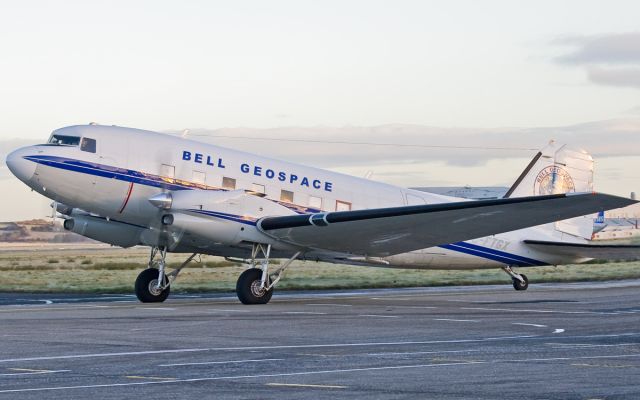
x=343, y=206
x=228, y=183
x=167, y=171
x=88, y=145
x=315, y=202
x=257, y=188
x=199, y=177
x=286, y=195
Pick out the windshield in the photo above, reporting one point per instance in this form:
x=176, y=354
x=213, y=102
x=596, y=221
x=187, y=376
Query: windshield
x=64, y=140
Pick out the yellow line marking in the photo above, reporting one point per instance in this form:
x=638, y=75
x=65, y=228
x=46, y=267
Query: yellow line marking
x=156, y=378
x=307, y=386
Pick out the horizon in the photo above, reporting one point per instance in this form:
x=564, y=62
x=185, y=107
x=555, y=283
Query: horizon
x=478, y=164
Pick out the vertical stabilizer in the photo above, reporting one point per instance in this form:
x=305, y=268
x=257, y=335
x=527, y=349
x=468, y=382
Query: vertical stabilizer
x=558, y=169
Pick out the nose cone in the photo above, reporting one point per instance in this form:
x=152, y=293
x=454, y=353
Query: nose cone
x=22, y=168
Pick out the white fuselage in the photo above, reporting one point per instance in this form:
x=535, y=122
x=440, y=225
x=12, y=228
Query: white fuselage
x=129, y=166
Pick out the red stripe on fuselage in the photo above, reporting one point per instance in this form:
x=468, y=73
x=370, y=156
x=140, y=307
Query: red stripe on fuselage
x=126, y=200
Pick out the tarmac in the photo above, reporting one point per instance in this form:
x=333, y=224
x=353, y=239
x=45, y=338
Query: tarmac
x=554, y=341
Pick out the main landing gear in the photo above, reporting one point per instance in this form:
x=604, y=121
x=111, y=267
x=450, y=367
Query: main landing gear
x=255, y=285
x=152, y=284
x=520, y=281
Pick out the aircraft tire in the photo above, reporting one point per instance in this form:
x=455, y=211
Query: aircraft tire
x=517, y=285
x=247, y=288
x=143, y=287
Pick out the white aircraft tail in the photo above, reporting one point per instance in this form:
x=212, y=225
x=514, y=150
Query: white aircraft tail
x=558, y=169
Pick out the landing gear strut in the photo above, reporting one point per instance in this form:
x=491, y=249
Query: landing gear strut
x=255, y=285
x=153, y=285
x=520, y=281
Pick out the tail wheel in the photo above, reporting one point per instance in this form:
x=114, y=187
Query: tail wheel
x=518, y=285
x=146, y=287
x=248, y=288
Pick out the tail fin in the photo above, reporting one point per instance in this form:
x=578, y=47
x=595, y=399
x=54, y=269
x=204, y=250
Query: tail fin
x=558, y=169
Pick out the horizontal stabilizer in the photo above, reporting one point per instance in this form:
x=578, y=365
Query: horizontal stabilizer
x=588, y=250
x=388, y=231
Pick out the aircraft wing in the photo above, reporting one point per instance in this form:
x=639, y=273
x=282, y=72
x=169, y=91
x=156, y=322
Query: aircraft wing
x=388, y=231
x=588, y=250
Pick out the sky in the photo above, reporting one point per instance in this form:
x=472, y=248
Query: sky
x=491, y=73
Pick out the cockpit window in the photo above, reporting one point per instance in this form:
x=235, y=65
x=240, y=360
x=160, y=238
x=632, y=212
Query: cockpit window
x=64, y=140
x=88, y=144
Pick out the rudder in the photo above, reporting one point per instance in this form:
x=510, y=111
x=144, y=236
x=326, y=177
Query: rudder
x=558, y=169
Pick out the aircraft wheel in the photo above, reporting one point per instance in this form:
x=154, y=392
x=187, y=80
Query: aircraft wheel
x=248, y=288
x=146, y=287
x=517, y=285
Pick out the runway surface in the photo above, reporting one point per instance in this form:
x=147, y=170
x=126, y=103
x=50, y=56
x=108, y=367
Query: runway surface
x=554, y=341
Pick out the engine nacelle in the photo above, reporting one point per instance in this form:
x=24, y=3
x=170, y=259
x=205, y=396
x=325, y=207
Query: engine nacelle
x=220, y=217
x=112, y=232
x=217, y=231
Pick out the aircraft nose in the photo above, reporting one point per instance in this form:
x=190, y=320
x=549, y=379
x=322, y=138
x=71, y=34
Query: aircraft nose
x=22, y=168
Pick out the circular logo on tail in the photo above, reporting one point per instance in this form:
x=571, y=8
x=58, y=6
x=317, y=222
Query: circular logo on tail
x=552, y=180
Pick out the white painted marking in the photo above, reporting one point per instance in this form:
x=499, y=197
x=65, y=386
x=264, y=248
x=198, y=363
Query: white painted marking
x=585, y=345
x=227, y=310
x=420, y=352
x=600, y=336
x=66, y=357
x=329, y=304
x=32, y=372
x=305, y=312
x=397, y=306
x=221, y=362
x=378, y=316
x=249, y=348
x=525, y=324
x=47, y=301
x=569, y=358
x=537, y=311
x=307, y=385
x=456, y=320
x=156, y=378
x=393, y=298
x=156, y=308
x=558, y=331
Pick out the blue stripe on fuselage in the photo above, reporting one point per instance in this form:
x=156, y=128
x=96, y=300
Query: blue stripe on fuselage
x=524, y=260
x=110, y=172
x=495, y=255
x=141, y=178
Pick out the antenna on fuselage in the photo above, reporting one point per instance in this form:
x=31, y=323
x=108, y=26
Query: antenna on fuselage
x=184, y=133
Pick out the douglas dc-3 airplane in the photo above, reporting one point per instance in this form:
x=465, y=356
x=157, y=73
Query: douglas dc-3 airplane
x=131, y=187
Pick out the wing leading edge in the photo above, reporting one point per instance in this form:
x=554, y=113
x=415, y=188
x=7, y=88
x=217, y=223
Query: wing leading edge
x=388, y=231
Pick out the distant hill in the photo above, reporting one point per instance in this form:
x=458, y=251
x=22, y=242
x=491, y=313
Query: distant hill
x=38, y=231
